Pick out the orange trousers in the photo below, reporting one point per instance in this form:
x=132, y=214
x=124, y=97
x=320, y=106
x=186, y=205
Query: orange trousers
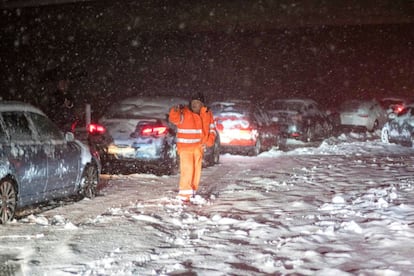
x=190, y=171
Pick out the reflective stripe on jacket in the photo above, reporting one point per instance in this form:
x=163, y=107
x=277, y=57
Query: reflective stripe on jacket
x=193, y=130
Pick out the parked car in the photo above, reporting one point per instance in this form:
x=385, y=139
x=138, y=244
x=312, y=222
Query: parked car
x=38, y=162
x=400, y=127
x=300, y=119
x=366, y=114
x=135, y=135
x=394, y=104
x=244, y=127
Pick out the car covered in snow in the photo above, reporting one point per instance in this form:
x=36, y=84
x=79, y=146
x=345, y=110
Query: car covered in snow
x=300, y=119
x=362, y=114
x=38, y=162
x=135, y=135
x=394, y=104
x=400, y=127
x=244, y=127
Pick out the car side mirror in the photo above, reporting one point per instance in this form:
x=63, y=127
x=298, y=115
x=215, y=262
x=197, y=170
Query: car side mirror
x=69, y=136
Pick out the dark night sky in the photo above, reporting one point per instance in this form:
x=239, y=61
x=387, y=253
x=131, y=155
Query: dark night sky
x=257, y=50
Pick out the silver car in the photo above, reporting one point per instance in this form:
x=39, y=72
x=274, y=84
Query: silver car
x=135, y=135
x=38, y=162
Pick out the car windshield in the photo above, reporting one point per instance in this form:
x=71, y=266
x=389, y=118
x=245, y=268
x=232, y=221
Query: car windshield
x=390, y=102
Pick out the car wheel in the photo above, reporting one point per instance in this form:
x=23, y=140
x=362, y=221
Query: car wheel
x=309, y=134
x=170, y=165
x=328, y=127
x=385, y=137
x=8, y=200
x=215, y=158
x=375, y=126
x=90, y=180
x=257, y=148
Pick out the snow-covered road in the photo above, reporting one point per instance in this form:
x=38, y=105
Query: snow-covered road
x=344, y=207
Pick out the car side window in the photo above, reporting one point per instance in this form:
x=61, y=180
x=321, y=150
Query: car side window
x=17, y=126
x=46, y=129
x=258, y=117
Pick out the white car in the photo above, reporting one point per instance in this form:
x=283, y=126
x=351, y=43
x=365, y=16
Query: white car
x=368, y=114
x=400, y=127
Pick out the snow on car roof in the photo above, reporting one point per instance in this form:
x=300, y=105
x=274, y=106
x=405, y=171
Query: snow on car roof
x=156, y=106
x=295, y=100
x=231, y=107
x=18, y=106
x=161, y=101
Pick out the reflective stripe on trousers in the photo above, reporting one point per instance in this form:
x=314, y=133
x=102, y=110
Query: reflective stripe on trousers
x=190, y=170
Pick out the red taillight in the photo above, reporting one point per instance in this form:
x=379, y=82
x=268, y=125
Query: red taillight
x=398, y=108
x=96, y=129
x=154, y=130
x=363, y=115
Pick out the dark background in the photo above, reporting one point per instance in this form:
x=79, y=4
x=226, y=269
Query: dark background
x=325, y=50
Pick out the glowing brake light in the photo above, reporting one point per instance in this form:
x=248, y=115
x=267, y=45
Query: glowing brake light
x=398, y=108
x=149, y=130
x=96, y=129
x=363, y=115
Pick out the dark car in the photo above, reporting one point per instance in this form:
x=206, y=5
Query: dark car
x=135, y=135
x=244, y=127
x=395, y=104
x=400, y=127
x=300, y=119
x=38, y=162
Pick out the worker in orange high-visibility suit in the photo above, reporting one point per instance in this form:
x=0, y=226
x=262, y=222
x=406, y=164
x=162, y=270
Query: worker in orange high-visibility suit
x=195, y=132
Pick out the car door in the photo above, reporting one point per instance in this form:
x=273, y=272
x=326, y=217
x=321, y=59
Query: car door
x=265, y=128
x=63, y=157
x=26, y=155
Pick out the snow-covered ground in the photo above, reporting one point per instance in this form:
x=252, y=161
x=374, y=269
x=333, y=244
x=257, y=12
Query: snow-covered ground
x=345, y=207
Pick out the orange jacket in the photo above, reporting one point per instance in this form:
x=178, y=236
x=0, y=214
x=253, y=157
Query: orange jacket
x=193, y=130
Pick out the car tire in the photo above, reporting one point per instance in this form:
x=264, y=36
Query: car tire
x=90, y=180
x=374, y=126
x=8, y=200
x=309, y=134
x=170, y=165
x=256, y=150
x=214, y=157
x=385, y=137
